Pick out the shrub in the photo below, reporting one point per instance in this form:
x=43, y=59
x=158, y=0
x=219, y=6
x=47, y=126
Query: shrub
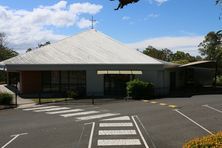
x=72, y=94
x=138, y=89
x=6, y=98
x=211, y=141
x=219, y=80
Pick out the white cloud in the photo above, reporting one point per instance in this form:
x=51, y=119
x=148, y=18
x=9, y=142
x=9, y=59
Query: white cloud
x=160, y=2
x=26, y=29
x=184, y=43
x=125, y=18
x=84, y=23
x=153, y=15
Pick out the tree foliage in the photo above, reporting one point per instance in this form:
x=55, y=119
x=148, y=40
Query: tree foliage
x=5, y=52
x=165, y=54
x=123, y=3
x=211, y=47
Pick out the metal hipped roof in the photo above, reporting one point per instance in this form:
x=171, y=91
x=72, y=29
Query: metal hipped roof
x=89, y=47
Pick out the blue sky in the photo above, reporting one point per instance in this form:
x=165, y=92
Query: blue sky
x=174, y=24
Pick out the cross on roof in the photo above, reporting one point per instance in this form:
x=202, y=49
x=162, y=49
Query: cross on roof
x=92, y=27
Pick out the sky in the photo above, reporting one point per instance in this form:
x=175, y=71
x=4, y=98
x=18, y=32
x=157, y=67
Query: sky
x=174, y=24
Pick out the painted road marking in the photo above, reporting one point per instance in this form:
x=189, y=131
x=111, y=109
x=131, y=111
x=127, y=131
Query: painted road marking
x=141, y=135
x=29, y=106
x=117, y=132
x=153, y=102
x=124, y=124
x=172, y=106
x=194, y=122
x=79, y=113
x=65, y=111
x=146, y=101
x=122, y=118
x=91, y=135
x=118, y=142
x=36, y=108
x=217, y=110
x=52, y=109
x=163, y=104
x=14, y=137
x=97, y=116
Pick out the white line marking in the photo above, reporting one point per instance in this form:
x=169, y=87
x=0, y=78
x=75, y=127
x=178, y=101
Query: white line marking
x=91, y=135
x=193, y=121
x=96, y=116
x=52, y=109
x=65, y=111
x=117, y=132
x=217, y=110
x=118, y=142
x=154, y=146
x=14, y=137
x=36, y=108
x=79, y=113
x=122, y=118
x=29, y=106
x=124, y=124
x=141, y=135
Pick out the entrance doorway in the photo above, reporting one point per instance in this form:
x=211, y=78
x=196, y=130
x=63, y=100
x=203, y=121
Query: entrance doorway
x=115, y=85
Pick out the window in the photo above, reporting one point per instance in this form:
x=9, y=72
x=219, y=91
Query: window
x=63, y=81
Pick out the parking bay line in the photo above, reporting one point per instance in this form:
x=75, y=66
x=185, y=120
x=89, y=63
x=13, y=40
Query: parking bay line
x=91, y=135
x=14, y=137
x=141, y=135
x=217, y=110
x=193, y=121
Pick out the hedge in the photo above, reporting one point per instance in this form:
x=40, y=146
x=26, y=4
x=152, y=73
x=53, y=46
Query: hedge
x=6, y=98
x=138, y=89
x=211, y=141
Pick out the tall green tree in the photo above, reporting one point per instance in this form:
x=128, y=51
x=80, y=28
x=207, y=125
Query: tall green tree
x=5, y=53
x=164, y=54
x=211, y=48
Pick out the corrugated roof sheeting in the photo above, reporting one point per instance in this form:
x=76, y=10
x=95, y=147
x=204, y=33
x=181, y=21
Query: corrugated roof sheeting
x=89, y=47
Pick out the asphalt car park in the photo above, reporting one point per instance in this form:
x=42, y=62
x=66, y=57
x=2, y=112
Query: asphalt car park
x=161, y=123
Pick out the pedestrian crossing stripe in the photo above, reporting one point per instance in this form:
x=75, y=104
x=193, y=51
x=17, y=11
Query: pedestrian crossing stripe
x=38, y=108
x=118, y=142
x=51, y=109
x=97, y=116
x=117, y=132
x=65, y=111
x=79, y=113
x=122, y=118
x=124, y=124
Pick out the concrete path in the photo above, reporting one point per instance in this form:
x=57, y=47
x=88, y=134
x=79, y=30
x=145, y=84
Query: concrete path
x=21, y=101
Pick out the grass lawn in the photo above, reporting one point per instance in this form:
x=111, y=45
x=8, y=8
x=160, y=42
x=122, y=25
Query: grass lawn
x=50, y=100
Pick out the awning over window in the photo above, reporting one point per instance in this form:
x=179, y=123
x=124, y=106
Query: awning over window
x=117, y=72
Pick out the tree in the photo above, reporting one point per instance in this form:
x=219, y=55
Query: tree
x=123, y=3
x=164, y=54
x=5, y=53
x=28, y=50
x=44, y=44
x=211, y=48
x=2, y=39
